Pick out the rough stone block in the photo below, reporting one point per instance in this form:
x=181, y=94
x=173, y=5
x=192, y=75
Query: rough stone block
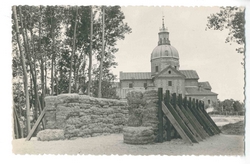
x=138, y=135
x=50, y=134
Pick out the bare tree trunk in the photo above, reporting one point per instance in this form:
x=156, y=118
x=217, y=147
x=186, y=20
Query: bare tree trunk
x=45, y=75
x=53, y=53
x=76, y=76
x=41, y=59
x=101, y=62
x=56, y=80
x=90, y=53
x=25, y=78
x=34, y=80
x=73, y=51
x=32, y=67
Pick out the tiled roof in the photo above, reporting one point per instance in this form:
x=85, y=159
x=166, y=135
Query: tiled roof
x=191, y=91
x=135, y=75
x=190, y=74
x=205, y=85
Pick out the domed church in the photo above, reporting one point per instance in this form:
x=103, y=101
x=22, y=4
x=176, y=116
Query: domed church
x=165, y=73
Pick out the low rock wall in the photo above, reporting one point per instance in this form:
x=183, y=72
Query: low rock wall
x=84, y=116
x=143, y=114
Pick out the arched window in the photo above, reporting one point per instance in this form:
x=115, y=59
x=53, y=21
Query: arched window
x=169, y=72
x=156, y=69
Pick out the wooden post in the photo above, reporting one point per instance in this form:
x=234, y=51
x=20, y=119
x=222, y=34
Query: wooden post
x=203, y=133
x=175, y=123
x=205, y=118
x=204, y=123
x=181, y=123
x=174, y=105
x=184, y=115
x=168, y=123
x=202, y=109
x=160, y=115
x=185, y=102
x=179, y=100
x=190, y=107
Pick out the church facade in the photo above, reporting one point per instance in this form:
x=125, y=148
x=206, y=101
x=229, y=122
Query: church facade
x=165, y=73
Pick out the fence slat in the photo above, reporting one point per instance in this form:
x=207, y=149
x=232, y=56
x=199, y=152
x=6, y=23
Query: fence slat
x=176, y=124
x=198, y=126
x=168, y=123
x=160, y=115
x=202, y=109
x=186, y=120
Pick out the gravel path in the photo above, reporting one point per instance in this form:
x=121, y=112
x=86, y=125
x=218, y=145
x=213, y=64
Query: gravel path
x=113, y=144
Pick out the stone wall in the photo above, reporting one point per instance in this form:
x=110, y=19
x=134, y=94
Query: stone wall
x=143, y=118
x=84, y=116
x=143, y=112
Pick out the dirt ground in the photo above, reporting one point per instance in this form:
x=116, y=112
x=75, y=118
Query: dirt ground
x=113, y=144
x=222, y=144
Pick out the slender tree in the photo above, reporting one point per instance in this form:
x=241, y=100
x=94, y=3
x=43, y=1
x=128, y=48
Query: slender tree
x=25, y=77
x=73, y=50
x=90, y=51
x=103, y=51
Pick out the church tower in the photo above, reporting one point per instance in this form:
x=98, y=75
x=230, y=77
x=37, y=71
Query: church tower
x=164, y=54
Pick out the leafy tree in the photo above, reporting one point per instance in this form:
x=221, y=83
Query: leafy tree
x=229, y=105
x=42, y=38
x=238, y=107
x=115, y=29
x=231, y=18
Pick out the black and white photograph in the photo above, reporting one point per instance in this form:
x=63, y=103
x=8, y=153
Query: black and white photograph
x=138, y=80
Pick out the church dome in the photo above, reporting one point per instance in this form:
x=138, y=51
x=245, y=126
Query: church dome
x=164, y=50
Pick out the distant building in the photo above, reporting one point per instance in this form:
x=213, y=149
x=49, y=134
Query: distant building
x=165, y=74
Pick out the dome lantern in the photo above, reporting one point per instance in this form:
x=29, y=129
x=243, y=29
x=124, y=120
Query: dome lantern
x=163, y=35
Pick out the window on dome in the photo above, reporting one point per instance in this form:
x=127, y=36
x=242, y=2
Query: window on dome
x=156, y=69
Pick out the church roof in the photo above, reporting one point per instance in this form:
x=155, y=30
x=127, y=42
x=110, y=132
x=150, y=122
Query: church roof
x=205, y=85
x=190, y=74
x=195, y=91
x=135, y=75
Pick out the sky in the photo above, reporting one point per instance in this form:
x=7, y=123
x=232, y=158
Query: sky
x=199, y=49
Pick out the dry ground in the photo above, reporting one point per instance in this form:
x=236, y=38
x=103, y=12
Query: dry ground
x=222, y=144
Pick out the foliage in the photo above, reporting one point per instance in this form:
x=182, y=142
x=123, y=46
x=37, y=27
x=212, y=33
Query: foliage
x=49, y=36
x=231, y=18
x=229, y=105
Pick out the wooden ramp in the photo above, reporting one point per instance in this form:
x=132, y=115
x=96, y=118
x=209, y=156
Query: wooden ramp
x=176, y=125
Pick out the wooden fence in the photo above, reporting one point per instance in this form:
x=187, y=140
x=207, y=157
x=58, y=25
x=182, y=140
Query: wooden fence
x=185, y=118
